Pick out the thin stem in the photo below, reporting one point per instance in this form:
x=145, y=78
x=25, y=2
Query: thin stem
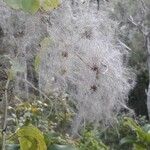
x=5, y=115
x=31, y=85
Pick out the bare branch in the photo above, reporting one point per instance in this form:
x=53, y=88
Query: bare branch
x=5, y=116
x=123, y=44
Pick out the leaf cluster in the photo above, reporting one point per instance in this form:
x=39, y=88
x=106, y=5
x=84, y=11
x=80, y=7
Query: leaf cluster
x=141, y=141
x=32, y=6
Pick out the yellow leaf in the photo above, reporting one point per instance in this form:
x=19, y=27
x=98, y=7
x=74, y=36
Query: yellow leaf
x=31, y=138
x=50, y=4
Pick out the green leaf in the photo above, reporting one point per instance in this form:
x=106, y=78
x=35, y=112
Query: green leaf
x=12, y=147
x=51, y=138
x=28, y=143
x=50, y=4
x=11, y=74
x=127, y=140
x=61, y=147
x=31, y=6
x=23, y=106
x=142, y=137
x=146, y=128
x=45, y=43
x=37, y=62
x=141, y=134
x=15, y=4
x=16, y=67
x=31, y=138
x=139, y=147
x=147, y=138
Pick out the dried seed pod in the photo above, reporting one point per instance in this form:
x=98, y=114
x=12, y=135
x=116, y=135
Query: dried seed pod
x=64, y=54
x=94, y=88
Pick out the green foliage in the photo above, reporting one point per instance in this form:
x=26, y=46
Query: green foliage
x=43, y=114
x=37, y=62
x=12, y=147
x=142, y=139
x=90, y=141
x=15, y=68
x=111, y=135
x=32, y=6
x=15, y=4
x=50, y=4
x=44, y=44
x=29, y=135
x=61, y=147
x=31, y=138
x=53, y=138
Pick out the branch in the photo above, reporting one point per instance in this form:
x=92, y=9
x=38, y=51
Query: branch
x=31, y=85
x=5, y=116
x=144, y=7
x=123, y=44
x=137, y=25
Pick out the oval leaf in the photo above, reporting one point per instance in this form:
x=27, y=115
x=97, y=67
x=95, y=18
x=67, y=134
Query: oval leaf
x=31, y=6
x=12, y=147
x=15, y=4
x=31, y=138
x=50, y=4
x=128, y=140
x=61, y=147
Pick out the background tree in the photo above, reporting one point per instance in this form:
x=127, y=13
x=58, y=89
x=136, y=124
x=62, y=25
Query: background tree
x=134, y=28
